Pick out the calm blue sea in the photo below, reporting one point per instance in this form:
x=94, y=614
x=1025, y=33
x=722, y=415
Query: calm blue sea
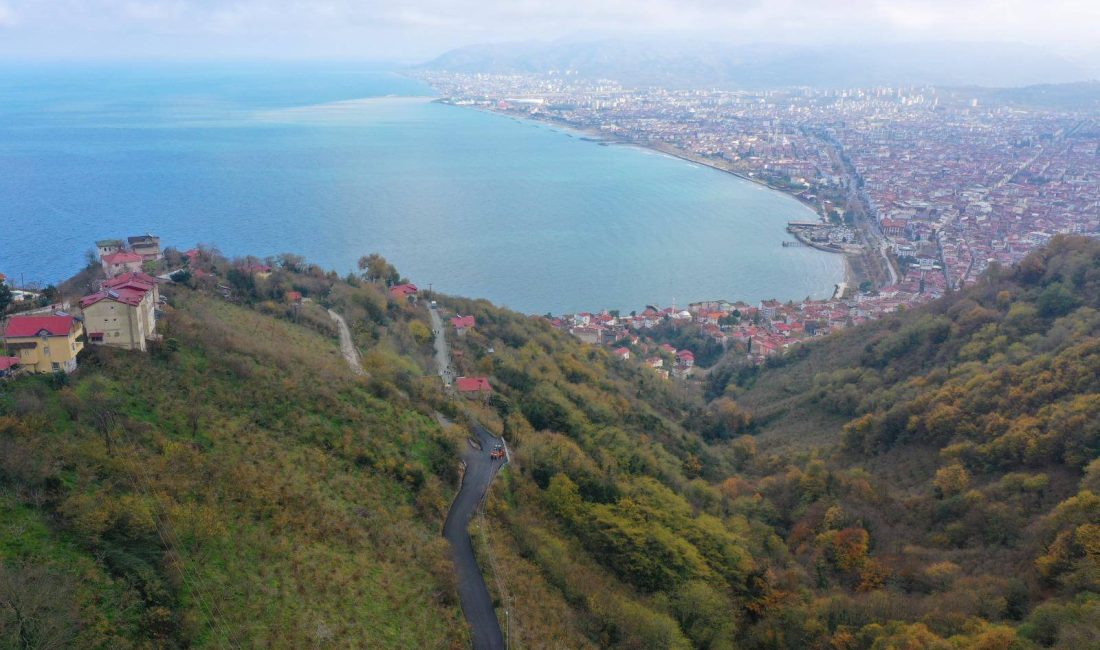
x=334, y=161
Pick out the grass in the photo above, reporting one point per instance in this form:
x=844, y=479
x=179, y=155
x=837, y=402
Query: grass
x=267, y=495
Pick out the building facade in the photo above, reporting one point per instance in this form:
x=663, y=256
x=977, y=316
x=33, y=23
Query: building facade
x=45, y=343
x=123, y=313
x=121, y=262
x=147, y=246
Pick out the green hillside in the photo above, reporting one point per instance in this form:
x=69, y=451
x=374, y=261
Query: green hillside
x=237, y=486
x=926, y=481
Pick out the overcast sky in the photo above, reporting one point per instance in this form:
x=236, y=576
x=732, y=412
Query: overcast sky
x=411, y=30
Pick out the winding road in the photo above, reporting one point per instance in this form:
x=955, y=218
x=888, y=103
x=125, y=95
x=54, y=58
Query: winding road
x=477, y=605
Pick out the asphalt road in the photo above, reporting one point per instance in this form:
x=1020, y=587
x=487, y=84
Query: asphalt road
x=477, y=605
x=474, y=595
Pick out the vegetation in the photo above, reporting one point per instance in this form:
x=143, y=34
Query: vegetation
x=237, y=485
x=931, y=480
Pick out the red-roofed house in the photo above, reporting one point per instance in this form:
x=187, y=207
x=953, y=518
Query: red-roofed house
x=121, y=262
x=473, y=386
x=123, y=313
x=294, y=297
x=685, y=358
x=45, y=343
x=462, y=324
x=622, y=353
x=135, y=280
x=406, y=291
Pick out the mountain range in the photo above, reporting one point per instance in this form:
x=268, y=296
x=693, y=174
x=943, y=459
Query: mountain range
x=677, y=63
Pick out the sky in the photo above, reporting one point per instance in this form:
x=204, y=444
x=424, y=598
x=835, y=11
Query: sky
x=415, y=30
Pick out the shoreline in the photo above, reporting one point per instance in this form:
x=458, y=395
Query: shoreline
x=850, y=276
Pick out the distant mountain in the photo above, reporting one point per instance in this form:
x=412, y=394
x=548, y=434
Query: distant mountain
x=695, y=64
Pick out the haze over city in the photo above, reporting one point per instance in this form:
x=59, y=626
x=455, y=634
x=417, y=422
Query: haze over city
x=410, y=31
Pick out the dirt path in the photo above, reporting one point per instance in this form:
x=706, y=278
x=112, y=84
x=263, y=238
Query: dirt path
x=347, y=346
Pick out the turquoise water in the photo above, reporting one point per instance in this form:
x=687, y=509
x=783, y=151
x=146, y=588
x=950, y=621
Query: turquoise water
x=334, y=162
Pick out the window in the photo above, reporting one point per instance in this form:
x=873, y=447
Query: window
x=55, y=366
x=46, y=350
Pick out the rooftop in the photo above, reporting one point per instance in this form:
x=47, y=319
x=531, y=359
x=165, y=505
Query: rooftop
x=24, y=326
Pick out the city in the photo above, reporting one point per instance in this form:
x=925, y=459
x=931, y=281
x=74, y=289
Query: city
x=937, y=184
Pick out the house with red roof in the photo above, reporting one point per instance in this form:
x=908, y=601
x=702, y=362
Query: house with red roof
x=462, y=324
x=45, y=343
x=473, y=386
x=622, y=353
x=685, y=358
x=123, y=313
x=404, y=291
x=135, y=280
x=121, y=262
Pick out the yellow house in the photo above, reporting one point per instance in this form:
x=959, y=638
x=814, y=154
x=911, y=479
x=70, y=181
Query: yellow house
x=45, y=343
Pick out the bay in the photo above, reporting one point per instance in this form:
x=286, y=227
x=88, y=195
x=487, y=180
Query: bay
x=333, y=161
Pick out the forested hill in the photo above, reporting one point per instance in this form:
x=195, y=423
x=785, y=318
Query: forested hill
x=926, y=481
x=956, y=446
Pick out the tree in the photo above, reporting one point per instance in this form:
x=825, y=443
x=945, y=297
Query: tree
x=49, y=295
x=5, y=297
x=951, y=480
x=181, y=276
x=377, y=269
x=36, y=608
x=420, y=332
x=1056, y=300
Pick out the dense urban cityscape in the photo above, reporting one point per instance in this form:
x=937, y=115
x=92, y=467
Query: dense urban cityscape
x=934, y=185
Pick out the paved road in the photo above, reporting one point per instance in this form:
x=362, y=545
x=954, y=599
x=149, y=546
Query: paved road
x=347, y=346
x=477, y=606
x=474, y=595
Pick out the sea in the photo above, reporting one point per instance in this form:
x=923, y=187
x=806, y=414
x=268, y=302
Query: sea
x=333, y=161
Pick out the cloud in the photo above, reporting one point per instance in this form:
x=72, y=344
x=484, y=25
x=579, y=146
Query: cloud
x=424, y=27
x=7, y=16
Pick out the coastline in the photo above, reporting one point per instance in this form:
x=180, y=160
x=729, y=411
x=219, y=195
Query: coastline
x=851, y=277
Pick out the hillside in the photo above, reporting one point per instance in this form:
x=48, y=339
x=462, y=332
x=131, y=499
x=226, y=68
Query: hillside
x=926, y=481
x=237, y=486
x=960, y=443
x=867, y=492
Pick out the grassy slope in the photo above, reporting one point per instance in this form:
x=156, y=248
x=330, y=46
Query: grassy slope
x=283, y=487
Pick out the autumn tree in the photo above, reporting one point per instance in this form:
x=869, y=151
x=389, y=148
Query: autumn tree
x=951, y=480
x=36, y=608
x=375, y=268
